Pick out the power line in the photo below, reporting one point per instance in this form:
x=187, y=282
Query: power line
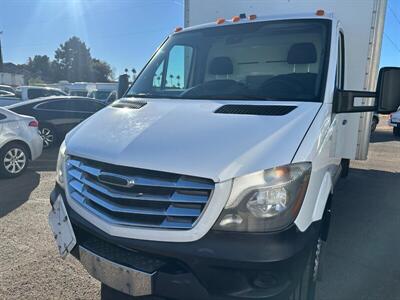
x=394, y=14
x=393, y=43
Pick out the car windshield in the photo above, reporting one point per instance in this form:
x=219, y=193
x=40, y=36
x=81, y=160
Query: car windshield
x=275, y=60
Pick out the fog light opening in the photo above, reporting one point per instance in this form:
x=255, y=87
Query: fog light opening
x=265, y=280
x=231, y=219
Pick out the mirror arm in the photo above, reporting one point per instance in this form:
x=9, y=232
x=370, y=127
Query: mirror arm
x=344, y=101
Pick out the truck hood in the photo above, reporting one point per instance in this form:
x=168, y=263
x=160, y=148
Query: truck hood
x=188, y=137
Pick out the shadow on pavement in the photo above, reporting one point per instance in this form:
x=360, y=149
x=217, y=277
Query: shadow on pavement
x=381, y=136
x=47, y=162
x=362, y=256
x=16, y=191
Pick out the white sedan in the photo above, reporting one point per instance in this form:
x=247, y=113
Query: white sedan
x=19, y=142
x=394, y=121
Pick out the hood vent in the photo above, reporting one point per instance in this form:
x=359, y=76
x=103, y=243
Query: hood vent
x=129, y=104
x=257, y=110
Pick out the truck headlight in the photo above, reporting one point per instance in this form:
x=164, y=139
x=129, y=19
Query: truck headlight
x=267, y=200
x=60, y=176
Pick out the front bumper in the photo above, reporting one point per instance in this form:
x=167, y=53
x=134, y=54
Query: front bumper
x=221, y=265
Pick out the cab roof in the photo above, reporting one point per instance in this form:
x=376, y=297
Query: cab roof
x=229, y=22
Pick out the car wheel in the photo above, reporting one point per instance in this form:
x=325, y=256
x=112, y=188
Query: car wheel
x=396, y=131
x=48, y=135
x=13, y=160
x=306, y=287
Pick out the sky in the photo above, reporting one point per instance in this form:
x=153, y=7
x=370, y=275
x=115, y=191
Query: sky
x=122, y=32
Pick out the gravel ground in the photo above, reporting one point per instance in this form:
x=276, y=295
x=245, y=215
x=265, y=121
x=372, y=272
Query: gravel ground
x=30, y=267
x=361, y=261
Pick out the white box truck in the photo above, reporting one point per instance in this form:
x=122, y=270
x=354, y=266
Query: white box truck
x=213, y=177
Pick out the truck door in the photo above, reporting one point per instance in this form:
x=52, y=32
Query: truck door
x=345, y=125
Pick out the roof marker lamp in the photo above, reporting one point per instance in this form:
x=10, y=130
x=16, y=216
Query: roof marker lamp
x=264, y=201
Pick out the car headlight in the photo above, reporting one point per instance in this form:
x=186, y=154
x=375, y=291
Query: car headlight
x=60, y=176
x=267, y=200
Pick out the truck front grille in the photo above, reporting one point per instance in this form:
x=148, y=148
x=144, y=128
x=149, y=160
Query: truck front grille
x=137, y=197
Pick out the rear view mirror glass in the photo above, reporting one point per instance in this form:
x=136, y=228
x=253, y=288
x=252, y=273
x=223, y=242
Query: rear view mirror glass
x=388, y=90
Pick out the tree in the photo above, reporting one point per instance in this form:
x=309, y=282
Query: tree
x=74, y=61
x=40, y=67
x=102, y=71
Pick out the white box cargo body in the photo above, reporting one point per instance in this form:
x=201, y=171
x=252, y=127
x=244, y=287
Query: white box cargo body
x=363, y=38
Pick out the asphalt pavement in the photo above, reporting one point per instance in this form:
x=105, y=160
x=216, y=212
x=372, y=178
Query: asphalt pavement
x=361, y=261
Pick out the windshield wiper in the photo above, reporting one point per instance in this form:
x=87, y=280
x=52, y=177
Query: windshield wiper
x=148, y=95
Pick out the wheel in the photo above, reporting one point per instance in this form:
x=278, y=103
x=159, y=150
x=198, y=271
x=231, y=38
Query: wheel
x=13, y=160
x=345, y=163
x=396, y=131
x=48, y=135
x=306, y=287
x=374, y=123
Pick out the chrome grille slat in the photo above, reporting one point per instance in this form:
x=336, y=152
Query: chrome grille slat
x=101, y=188
x=164, y=225
x=172, y=210
x=155, y=199
x=182, y=183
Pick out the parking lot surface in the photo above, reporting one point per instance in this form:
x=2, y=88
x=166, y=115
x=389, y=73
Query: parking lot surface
x=361, y=261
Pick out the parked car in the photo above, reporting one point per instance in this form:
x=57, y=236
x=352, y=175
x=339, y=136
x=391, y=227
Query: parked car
x=4, y=93
x=57, y=115
x=101, y=95
x=7, y=88
x=78, y=93
x=20, y=142
x=33, y=92
x=394, y=121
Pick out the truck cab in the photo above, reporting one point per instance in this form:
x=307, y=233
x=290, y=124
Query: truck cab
x=212, y=178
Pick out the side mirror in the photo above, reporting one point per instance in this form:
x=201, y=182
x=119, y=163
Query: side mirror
x=387, y=96
x=388, y=90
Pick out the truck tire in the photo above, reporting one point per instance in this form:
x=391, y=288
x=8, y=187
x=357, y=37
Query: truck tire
x=345, y=163
x=306, y=287
x=374, y=123
x=396, y=131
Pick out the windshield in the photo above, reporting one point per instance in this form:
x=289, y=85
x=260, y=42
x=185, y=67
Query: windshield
x=283, y=60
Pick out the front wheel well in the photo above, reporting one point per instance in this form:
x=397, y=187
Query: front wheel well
x=21, y=143
x=326, y=219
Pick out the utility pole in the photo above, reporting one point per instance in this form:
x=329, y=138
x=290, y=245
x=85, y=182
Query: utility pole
x=1, y=55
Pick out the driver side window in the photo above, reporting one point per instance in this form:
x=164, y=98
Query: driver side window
x=340, y=64
x=173, y=72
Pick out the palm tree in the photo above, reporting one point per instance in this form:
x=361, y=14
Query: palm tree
x=178, y=78
x=172, y=77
